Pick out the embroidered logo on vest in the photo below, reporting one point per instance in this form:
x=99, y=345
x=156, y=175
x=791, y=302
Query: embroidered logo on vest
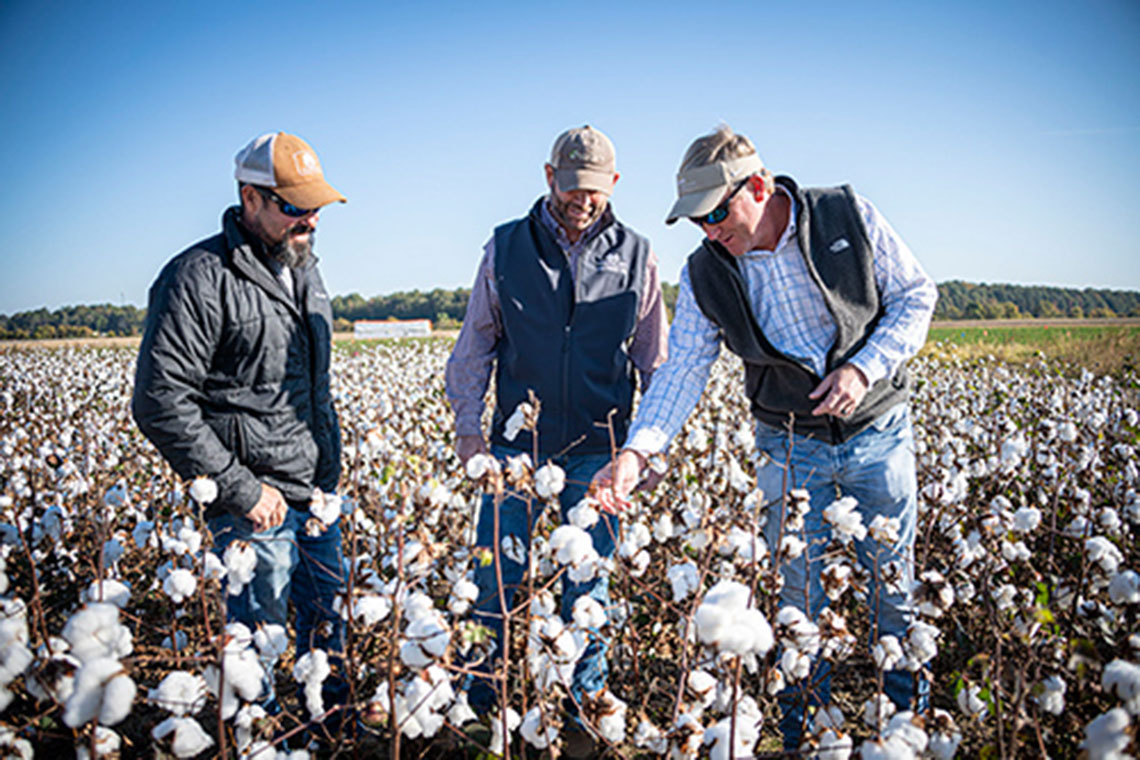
x=839, y=245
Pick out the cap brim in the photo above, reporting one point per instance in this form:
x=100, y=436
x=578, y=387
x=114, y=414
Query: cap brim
x=584, y=179
x=311, y=194
x=696, y=204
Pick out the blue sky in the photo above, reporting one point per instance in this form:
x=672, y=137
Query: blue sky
x=1001, y=139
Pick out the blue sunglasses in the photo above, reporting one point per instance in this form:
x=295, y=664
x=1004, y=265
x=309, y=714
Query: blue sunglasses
x=287, y=208
x=718, y=214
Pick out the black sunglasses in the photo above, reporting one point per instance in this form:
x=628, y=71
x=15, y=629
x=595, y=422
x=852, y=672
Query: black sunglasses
x=718, y=214
x=287, y=208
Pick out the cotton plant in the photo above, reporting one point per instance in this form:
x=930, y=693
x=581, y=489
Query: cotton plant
x=311, y=670
x=185, y=737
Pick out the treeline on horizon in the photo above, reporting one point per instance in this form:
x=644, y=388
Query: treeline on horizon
x=446, y=308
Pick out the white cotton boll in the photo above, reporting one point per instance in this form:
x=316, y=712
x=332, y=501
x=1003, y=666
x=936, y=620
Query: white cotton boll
x=832, y=745
x=326, y=507
x=845, y=520
x=588, y=613
x=542, y=604
x=180, y=693
x=663, y=528
x=829, y=716
x=369, y=609
x=795, y=665
x=903, y=726
x=103, y=692
x=791, y=547
x=54, y=680
x=971, y=703
x=648, y=737
x=611, y=720
x=1106, y=736
x=482, y=465
x=684, y=579
x=518, y=420
x=944, y=736
x=921, y=644
x=241, y=564
x=95, y=632
x=513, y=721
x=583, y=514
x=311, y=670
x=887, y=653
x=885, y=530
x=14, y=660
x=189, y=739
x=1051, y=697
x=794, y=630
x=461, y=712
x=1026, y=519
x=179, y=585
x=571, y=545
x=1104, y=553
x=717, y=738
x=1004, y=596
x=739, y=480
x=725, y=619
x=549, y=481
x=107, y=744
x=539, y=727
x=110, y=591
x=513, y=549
x=271, y=640
x=891, y=747
x=1124, y=588
x=1122, y=678
x=878, y=710
x=203, y=490
x=463, y=594
x=703, y=686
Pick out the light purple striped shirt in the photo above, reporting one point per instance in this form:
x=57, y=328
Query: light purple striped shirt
x=790, y=310
x=469, y=367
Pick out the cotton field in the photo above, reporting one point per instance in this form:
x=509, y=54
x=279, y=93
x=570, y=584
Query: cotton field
x=113, y=639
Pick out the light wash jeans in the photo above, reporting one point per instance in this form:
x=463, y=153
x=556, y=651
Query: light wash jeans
x=591, y=670
x=291, y=565
x=876, y=467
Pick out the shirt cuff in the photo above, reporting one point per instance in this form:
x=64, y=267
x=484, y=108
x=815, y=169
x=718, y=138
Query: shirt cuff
x=872, y=365
x=650, y=440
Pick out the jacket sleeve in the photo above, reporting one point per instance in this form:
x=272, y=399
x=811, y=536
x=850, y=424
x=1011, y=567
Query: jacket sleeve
x=183, y=325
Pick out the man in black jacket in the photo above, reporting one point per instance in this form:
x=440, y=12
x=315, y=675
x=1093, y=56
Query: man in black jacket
x=233, y=384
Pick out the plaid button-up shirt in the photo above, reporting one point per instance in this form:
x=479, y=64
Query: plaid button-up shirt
x=791, y=312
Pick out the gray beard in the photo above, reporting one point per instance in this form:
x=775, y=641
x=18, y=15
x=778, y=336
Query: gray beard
x=291, y=253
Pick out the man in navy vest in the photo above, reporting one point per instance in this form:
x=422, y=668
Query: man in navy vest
x=824, y=303
x=567, y=304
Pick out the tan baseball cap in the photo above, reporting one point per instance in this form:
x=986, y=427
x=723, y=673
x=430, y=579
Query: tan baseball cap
x=701, y=188
x=289, y=165
x=583, y=159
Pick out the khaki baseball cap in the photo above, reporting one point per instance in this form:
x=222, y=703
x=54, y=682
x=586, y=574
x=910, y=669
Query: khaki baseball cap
x=701, y=188
x=289, y=165
x=583, y=159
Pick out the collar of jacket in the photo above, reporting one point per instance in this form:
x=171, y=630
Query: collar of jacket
x=244, y=259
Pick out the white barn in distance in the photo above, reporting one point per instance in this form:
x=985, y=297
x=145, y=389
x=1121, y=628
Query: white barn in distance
x=371, y=329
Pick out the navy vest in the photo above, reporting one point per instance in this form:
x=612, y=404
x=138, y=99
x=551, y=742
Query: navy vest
x=776, y=384
x=566, y=338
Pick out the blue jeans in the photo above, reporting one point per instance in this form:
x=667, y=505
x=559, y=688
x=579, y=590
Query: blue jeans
x=590, y=671
x=291, y=565
x=876, y=467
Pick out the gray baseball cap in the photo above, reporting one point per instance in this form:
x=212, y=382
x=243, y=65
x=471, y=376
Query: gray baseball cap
x=583, y=159
x=701, y=188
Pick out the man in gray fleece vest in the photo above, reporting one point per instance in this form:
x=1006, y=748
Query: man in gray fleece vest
x=824, y=303
x=567, y=304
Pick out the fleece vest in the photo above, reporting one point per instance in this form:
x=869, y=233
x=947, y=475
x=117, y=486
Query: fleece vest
x=566, y=338
x=839, y=258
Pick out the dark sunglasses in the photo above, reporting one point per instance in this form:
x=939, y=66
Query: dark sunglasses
x=718, y=214
x=287, y=208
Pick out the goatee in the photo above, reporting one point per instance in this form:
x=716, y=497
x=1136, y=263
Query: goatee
x=293, y=251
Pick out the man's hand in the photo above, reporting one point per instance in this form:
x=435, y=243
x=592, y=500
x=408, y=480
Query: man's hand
x=844, y=387
x=467, y=446
x=624, y=476
x=270, y=509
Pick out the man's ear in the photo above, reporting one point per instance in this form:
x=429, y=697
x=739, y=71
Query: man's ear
x=250, y=198
x=549, y=175
x=758, y=187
